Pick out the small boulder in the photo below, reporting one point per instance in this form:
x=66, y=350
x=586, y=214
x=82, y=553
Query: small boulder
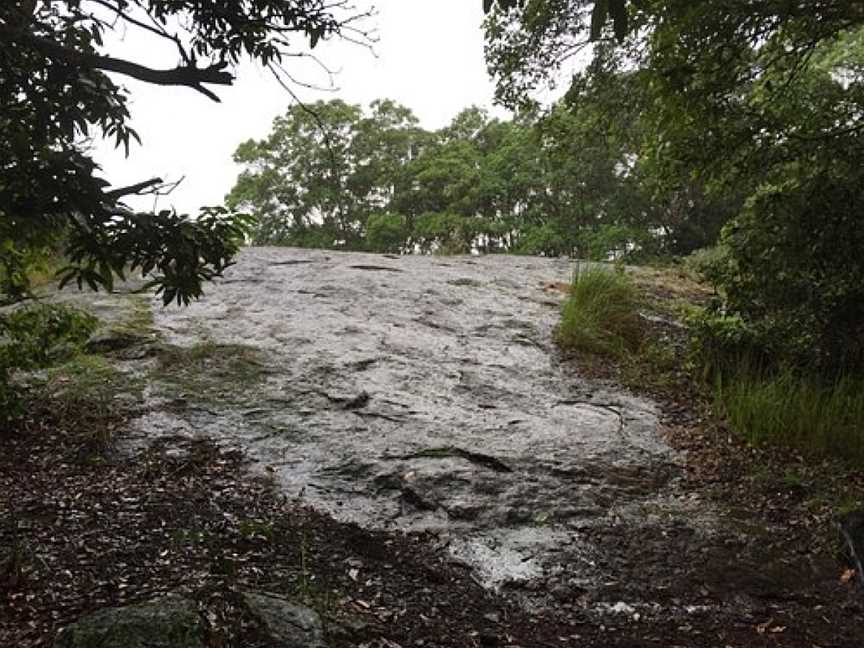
x=286, y=624
x=168, y=622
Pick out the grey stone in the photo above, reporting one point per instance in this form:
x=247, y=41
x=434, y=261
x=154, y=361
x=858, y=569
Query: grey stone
x=169, y=622
x=285, y=623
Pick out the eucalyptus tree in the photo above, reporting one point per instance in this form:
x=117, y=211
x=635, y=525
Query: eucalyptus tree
x=323, y=169
x=296, y=179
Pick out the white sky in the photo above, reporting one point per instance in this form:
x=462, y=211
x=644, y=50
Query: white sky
x=429, y=58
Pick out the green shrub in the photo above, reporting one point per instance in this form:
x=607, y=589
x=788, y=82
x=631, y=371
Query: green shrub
x=601, y=314
x=795, y=267
x=38, y=336
x=611, y=241
x=767, y=398
x=386, y=233
x=445, y=233
x=22, y=268
x=546, y=240
x=724, y=343
x=705, y=262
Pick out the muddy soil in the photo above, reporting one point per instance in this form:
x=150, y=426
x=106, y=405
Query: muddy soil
x=425, y=394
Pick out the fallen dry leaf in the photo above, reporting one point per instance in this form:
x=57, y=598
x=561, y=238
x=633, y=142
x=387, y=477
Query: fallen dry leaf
x=762, y=628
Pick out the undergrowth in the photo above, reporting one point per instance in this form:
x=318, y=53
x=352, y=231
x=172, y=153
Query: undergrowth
x=40, y=335
x=21, y=271
x=793, y=409
x=34, y=337
x=90, y=396
x=715, y=359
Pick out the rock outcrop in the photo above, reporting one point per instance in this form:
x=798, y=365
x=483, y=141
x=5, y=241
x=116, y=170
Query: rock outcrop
x=168, y=622
x=286, y=624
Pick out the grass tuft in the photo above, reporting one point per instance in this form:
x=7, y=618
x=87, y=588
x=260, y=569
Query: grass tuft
x=601, y=315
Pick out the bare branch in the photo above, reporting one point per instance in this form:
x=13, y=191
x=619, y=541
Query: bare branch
x=304, y=84
x=315, y=116
x=155, y=28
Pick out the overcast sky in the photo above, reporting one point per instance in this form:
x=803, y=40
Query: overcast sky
x=429, y=58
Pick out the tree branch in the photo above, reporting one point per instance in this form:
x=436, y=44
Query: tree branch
x=134, y=189
x=189, y=76
x=828, y=134
x=153, y=29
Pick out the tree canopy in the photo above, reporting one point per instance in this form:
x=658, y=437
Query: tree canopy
x=566, y=182
x=59, y=88
x=759, y=105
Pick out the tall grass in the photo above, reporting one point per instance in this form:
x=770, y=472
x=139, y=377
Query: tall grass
x=791, y=409
x=601, y=314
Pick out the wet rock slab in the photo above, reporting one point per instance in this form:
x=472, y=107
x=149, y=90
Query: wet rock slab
x=418, y=393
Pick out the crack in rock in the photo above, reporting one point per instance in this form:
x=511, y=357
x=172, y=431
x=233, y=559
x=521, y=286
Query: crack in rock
x=487, y=461
x=374, y=268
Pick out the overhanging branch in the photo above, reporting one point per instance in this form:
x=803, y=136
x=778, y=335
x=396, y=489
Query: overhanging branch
x=135, y=189
x=191, y=77
x=188, y=76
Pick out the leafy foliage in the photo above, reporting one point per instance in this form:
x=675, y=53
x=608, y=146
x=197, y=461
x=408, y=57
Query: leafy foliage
x=796, y=270
x=20, y=265
x=561, y=183
x=386, y=233
x=34, y=337
x=42, y=334
x=748, y=119
x=55, y=94
x=323, y=170
x=183, y=252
